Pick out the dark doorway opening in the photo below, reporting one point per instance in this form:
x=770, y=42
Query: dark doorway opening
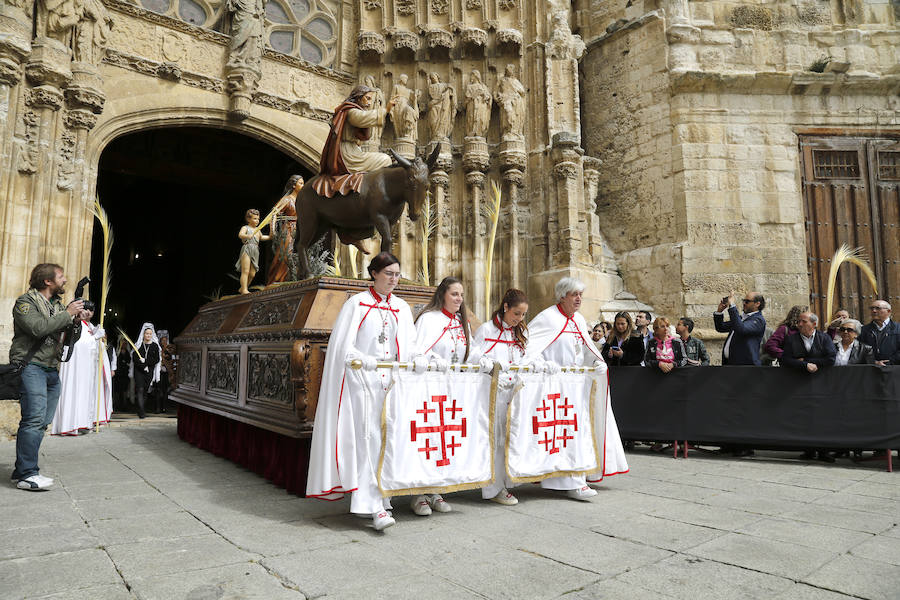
x=176, y=198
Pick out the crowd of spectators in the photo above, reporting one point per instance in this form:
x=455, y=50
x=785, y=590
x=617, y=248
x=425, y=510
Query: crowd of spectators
x=796, y=342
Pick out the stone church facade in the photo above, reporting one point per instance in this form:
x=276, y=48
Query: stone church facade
x=650, y=147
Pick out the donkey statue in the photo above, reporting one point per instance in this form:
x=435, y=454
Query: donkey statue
x=357, y=215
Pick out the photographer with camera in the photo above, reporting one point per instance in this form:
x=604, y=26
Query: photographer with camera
x=745, y=329
x=38, y=319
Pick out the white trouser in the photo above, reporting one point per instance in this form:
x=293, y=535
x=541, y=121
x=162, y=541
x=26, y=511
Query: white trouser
x=564, y=483
x=501, y=478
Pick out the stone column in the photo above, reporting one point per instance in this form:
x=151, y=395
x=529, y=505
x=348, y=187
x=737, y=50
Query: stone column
x=475, y=161
x=513, y=180
x=682, y=36
x=566, y=241
x=591, y=168
x=440, y=249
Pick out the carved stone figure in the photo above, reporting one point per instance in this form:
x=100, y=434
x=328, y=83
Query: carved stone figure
x=56, y=18
x=246, y=46
x=441, y=108
x=405, y=113
x=510, y=96
x=374, y=141
x=92, y=31
x=478, y=106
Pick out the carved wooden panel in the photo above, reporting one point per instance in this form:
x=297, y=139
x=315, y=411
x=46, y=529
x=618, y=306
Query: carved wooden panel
x=222, y=372
x=273, y=312
x=208, y=322
x=270, y=378
x=189, y=369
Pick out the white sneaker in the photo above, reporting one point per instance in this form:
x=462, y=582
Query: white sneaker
x=46, y=480
x=35, y=483
x=584, y=493
x=382, y=520
x=505, y=498
x=420, y=506
x=439, y=504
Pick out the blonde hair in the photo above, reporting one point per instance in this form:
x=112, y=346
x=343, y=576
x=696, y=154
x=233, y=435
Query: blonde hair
x=660, y=322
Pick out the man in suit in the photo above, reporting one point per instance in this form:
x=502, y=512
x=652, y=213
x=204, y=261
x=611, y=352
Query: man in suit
x=745, y=330
x=882, y=334
x=809, y=350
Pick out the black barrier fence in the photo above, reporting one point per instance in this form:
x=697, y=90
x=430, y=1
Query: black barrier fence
x=840, y=407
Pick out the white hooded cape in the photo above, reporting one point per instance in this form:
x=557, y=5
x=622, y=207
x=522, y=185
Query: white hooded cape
x=333, y=453
x=546, y=339
x=77, y=408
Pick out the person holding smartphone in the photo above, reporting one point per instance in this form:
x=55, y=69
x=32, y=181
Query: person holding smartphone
x=621, y=347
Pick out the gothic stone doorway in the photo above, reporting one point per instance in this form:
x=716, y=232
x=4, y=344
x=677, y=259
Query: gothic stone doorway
x=176, y=198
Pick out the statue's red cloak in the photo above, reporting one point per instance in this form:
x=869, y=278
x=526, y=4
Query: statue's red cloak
x=333, y=177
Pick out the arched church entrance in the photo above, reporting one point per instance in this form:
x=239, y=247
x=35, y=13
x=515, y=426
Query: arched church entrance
x=176, y=198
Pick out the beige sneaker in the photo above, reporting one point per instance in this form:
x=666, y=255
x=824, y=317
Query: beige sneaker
x=505, y=498
x=420, y=506
x=439, y=504
x=382, y=520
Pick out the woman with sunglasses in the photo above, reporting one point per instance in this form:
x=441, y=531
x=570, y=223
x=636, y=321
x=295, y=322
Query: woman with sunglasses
x=850, y=351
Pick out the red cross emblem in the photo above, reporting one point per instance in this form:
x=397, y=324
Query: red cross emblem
x=553, y=436
x=445, y=425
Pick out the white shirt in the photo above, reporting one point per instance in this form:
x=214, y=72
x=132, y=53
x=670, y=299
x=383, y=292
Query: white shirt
x=807, y=341
x=842, y=357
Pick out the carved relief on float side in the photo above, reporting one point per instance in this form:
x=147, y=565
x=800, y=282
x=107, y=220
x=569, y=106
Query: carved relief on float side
x=222, y=372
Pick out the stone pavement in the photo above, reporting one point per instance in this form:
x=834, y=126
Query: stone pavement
x=136, y=513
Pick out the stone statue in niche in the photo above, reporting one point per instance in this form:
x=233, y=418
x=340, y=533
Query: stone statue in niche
x=405, y=113
x=246, y=46
x=374, y=141
x=56, y=18
x=510, y=96
x=92, y=32
x=441, y=108
x=478, y=106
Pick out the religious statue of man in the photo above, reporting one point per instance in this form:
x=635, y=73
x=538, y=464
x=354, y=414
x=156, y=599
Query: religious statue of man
x=510, y=96
x=56, y=18
x=377, y=104
x=405, y=114
x=92, y=31
x=350, y=127
x=441, y=108
x=246, y=47
x=478, y=105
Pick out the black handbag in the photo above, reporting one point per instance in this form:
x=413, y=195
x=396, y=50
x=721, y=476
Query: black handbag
x=11, y=374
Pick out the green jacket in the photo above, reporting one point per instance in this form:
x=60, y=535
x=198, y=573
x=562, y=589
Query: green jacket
x=35, y=318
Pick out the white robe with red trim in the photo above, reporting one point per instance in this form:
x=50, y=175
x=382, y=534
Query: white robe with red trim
x=566, y=341
x=77, y=408
x=333, y=461
x=501, y=346
x=440, y=335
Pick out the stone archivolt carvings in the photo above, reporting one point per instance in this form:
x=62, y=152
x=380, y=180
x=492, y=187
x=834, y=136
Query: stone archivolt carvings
x=439, y=38
x=44, y=96
x=270, y=377
x=79, y=119
x=473, y=36
x=473, y=4
x=27, y=134
x=406, y=39
x=65, y=169
x=222, y=372
x=440, y=7
x=370, y=41
x=509, y=4
x=405, y=7
x=372, y=4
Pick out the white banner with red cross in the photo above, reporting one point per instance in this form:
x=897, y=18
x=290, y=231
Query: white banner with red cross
x=556, y=425
x=437, y=433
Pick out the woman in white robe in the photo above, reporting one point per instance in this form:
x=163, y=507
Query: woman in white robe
x=560, y=334
x=374, y=325
x=503, y=339
x=443, y=335
x=78, y=407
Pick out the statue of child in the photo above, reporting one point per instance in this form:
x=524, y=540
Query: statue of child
x=248, y=260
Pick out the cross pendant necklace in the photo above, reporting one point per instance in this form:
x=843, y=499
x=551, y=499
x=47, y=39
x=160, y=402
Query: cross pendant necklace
x=384, y=322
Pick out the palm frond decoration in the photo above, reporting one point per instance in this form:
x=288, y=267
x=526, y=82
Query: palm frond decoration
x=337, y=259
x=215, y=295
x=126, y=338
x=429, y=224
x=101, y=216
x=353, y=251
x=844, y=254
x=492, y=214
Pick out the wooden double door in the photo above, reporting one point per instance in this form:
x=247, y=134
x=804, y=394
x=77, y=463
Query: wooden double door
x=851, y=195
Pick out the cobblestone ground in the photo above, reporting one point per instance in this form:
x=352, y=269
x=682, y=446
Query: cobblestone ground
x=136, y=513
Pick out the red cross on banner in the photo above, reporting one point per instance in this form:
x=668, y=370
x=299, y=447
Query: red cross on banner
x=445, y=425
x=552, y=436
